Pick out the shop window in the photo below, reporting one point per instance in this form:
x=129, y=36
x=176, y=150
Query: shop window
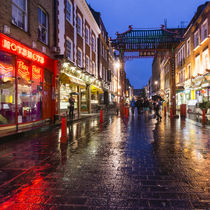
x=7, y=89
x=69, y=49
x=19, y=13
x=87, y=39
x=204, y=30
x=69, y=11
x=79, y=25
x=43, y=26
x=79, y=57
x=205, y=60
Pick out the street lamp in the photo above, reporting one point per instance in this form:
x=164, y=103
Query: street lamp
x=156, y=83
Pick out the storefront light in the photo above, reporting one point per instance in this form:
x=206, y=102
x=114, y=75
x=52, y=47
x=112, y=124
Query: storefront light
x=73, y=69
x=65, y=65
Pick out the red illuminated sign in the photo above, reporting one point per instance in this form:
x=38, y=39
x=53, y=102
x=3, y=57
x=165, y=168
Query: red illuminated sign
x=22, y=50
x=5, y=70
x=36, y=73
x=23, y=69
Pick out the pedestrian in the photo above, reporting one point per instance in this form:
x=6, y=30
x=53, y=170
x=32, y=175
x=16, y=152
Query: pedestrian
x=157, y=110
x=71, y=107
x=132, y=105
x=146, y=107
x=138, y=106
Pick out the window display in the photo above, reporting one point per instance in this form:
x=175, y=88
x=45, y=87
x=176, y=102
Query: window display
x=7, y=89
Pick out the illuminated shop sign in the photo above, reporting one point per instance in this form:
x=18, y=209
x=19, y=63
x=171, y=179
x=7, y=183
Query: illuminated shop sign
x=5, y=70
x=36, y=73
x=19, y=49
x=23, y=70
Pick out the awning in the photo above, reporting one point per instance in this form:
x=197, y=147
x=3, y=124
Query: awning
x=96, y=89
x=71, y=79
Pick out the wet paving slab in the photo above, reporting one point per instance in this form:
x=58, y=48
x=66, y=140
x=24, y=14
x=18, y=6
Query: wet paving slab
x=135, y=163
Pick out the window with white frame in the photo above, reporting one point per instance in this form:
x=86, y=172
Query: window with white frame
x=93, y=43
x=43, y=26
x=87, y=35
x=19, y=13
x=181, y=55
x=205, y=60
x=93, y=68
x=188, y=73
x=69, y=11
x=87, y=61
x=197, y=65
x=79, y=25
x=79, y=57
x=101, y=70
x=196, y=38
x=188, y=47
x=69, y=49
x=204, y=30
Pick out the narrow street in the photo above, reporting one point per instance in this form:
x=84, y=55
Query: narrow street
x=122, y=164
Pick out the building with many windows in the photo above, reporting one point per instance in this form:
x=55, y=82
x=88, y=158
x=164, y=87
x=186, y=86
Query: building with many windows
x=27, y=65
x=192, y=61
x=77, y=41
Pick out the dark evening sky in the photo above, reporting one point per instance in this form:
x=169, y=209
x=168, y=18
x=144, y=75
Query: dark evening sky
x=117, y=15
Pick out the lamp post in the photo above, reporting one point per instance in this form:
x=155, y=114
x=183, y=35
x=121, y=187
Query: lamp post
x=117, y=66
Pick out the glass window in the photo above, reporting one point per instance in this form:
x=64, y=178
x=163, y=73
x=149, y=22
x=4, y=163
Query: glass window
x=7, y=89
x=188, y=71
x=79, y=57
x=19, y=13
x=196, y=38
x=43, y=26
x=69, y=11
x=79, y=25
x=205, y=60
x=197, y=65
x=204, y=30
x=188, y=47
x=87, y=35
x=69, y=49
x=93, y=68
x=93, y=43
x=87, y=63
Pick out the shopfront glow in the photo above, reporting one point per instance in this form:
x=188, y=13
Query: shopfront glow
x=21, y=50
x=36, y=72
x=6, y=70
x=23, y=69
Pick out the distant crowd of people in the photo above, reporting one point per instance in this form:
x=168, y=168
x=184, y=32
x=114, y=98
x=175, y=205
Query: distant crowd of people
x=145, y=105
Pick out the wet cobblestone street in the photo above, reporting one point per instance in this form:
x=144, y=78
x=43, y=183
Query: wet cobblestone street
x=122, y=164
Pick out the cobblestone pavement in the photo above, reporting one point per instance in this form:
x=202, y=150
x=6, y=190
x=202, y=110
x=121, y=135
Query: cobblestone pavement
x=122, y=164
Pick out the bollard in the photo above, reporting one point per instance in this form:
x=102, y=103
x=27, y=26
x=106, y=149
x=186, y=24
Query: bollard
x=204, y=117
x=171, y=113
x=101, y=116
x=126, y=112
x=63, y=129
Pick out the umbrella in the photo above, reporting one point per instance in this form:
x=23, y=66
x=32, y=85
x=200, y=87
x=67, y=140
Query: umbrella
x=156, y=97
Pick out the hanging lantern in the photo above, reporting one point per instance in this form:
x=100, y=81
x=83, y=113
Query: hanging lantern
x=203, y=91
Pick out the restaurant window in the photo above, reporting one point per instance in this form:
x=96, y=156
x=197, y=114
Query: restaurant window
x=43, y=26
x=19, y=13
x=69, y=11
x=7, y=89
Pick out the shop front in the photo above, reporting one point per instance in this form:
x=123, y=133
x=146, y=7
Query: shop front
x=96, y=95
x=26, y=85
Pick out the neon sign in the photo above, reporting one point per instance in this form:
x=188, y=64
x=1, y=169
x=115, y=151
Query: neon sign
x=6, y=71
x=23, y=70
x=23, y=51
x=36, y=72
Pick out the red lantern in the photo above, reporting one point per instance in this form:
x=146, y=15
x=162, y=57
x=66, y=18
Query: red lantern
x=203, y=91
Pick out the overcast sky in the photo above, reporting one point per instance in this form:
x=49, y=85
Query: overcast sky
x=117, y=15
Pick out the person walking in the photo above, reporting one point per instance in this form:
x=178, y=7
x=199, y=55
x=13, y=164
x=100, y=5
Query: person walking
x=71, y=107
x=133, y=105
x=146, y=107
x=157, y=110
x=138, y=106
